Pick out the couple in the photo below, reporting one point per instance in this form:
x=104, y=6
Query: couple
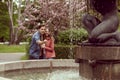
x=42, y=44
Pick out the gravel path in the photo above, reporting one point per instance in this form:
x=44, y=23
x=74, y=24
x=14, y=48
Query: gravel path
x=5, y=57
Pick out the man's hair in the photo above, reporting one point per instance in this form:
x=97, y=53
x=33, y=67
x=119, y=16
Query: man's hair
x=40, y=26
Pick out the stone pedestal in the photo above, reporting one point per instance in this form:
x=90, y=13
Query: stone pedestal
x=98, y=62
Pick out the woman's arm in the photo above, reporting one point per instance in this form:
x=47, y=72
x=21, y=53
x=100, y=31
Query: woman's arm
x=51, y=46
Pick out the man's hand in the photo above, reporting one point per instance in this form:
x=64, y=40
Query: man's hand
x=45, y=40
x=43, y=46
x=41, y=42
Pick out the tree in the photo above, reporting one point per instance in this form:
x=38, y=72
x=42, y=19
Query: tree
x=10, y=10
x=4, y=22
x=53, y=13
x=15, y=33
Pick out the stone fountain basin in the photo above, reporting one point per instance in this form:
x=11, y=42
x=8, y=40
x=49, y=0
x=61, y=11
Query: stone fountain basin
x=39, y=64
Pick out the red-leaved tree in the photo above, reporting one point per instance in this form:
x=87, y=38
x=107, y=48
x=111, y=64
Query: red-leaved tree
x=55, y=14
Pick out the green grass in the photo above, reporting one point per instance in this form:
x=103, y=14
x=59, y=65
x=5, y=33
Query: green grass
x=12, y=48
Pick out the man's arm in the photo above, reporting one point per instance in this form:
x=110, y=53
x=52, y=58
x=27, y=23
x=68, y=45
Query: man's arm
x=41, y=42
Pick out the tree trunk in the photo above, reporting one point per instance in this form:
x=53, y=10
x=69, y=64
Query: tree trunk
x=17, y=41
x=15, y=37
x=10, y=9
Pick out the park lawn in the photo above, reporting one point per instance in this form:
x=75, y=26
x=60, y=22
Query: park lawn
x=12, y=48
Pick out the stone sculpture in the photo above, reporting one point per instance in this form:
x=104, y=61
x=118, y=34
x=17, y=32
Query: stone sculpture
x=106, y=30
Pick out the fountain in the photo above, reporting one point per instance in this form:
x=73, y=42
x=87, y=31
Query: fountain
x=99, y=57
x=40, y=70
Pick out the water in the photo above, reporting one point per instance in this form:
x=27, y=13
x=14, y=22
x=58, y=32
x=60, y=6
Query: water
x=63, y=75
x=67, y=74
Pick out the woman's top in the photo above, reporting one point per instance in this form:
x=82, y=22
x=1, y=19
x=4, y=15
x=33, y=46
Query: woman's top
x=49, y=48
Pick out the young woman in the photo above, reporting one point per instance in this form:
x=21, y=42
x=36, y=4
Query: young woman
x=49, y=45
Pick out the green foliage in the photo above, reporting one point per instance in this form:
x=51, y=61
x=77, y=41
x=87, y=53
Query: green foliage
x=77, y=35
x=26, y=56
x=4, y=21
x=28, y=45
x=65, y=51
x=4, y=33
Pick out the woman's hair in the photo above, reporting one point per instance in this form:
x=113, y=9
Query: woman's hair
x=49, y=34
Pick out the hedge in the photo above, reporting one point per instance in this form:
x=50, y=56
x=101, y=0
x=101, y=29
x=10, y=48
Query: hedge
x=62, y=52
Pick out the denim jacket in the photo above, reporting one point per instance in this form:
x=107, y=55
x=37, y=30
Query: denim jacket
x=34, y=50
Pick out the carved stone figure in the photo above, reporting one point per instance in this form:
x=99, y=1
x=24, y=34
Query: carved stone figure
x=104, y=31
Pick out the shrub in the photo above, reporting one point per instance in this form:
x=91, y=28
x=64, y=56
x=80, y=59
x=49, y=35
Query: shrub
x=65, y=52
x=72, y=35
x=26, y=56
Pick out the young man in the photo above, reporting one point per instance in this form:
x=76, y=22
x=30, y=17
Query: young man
x=35, y=51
